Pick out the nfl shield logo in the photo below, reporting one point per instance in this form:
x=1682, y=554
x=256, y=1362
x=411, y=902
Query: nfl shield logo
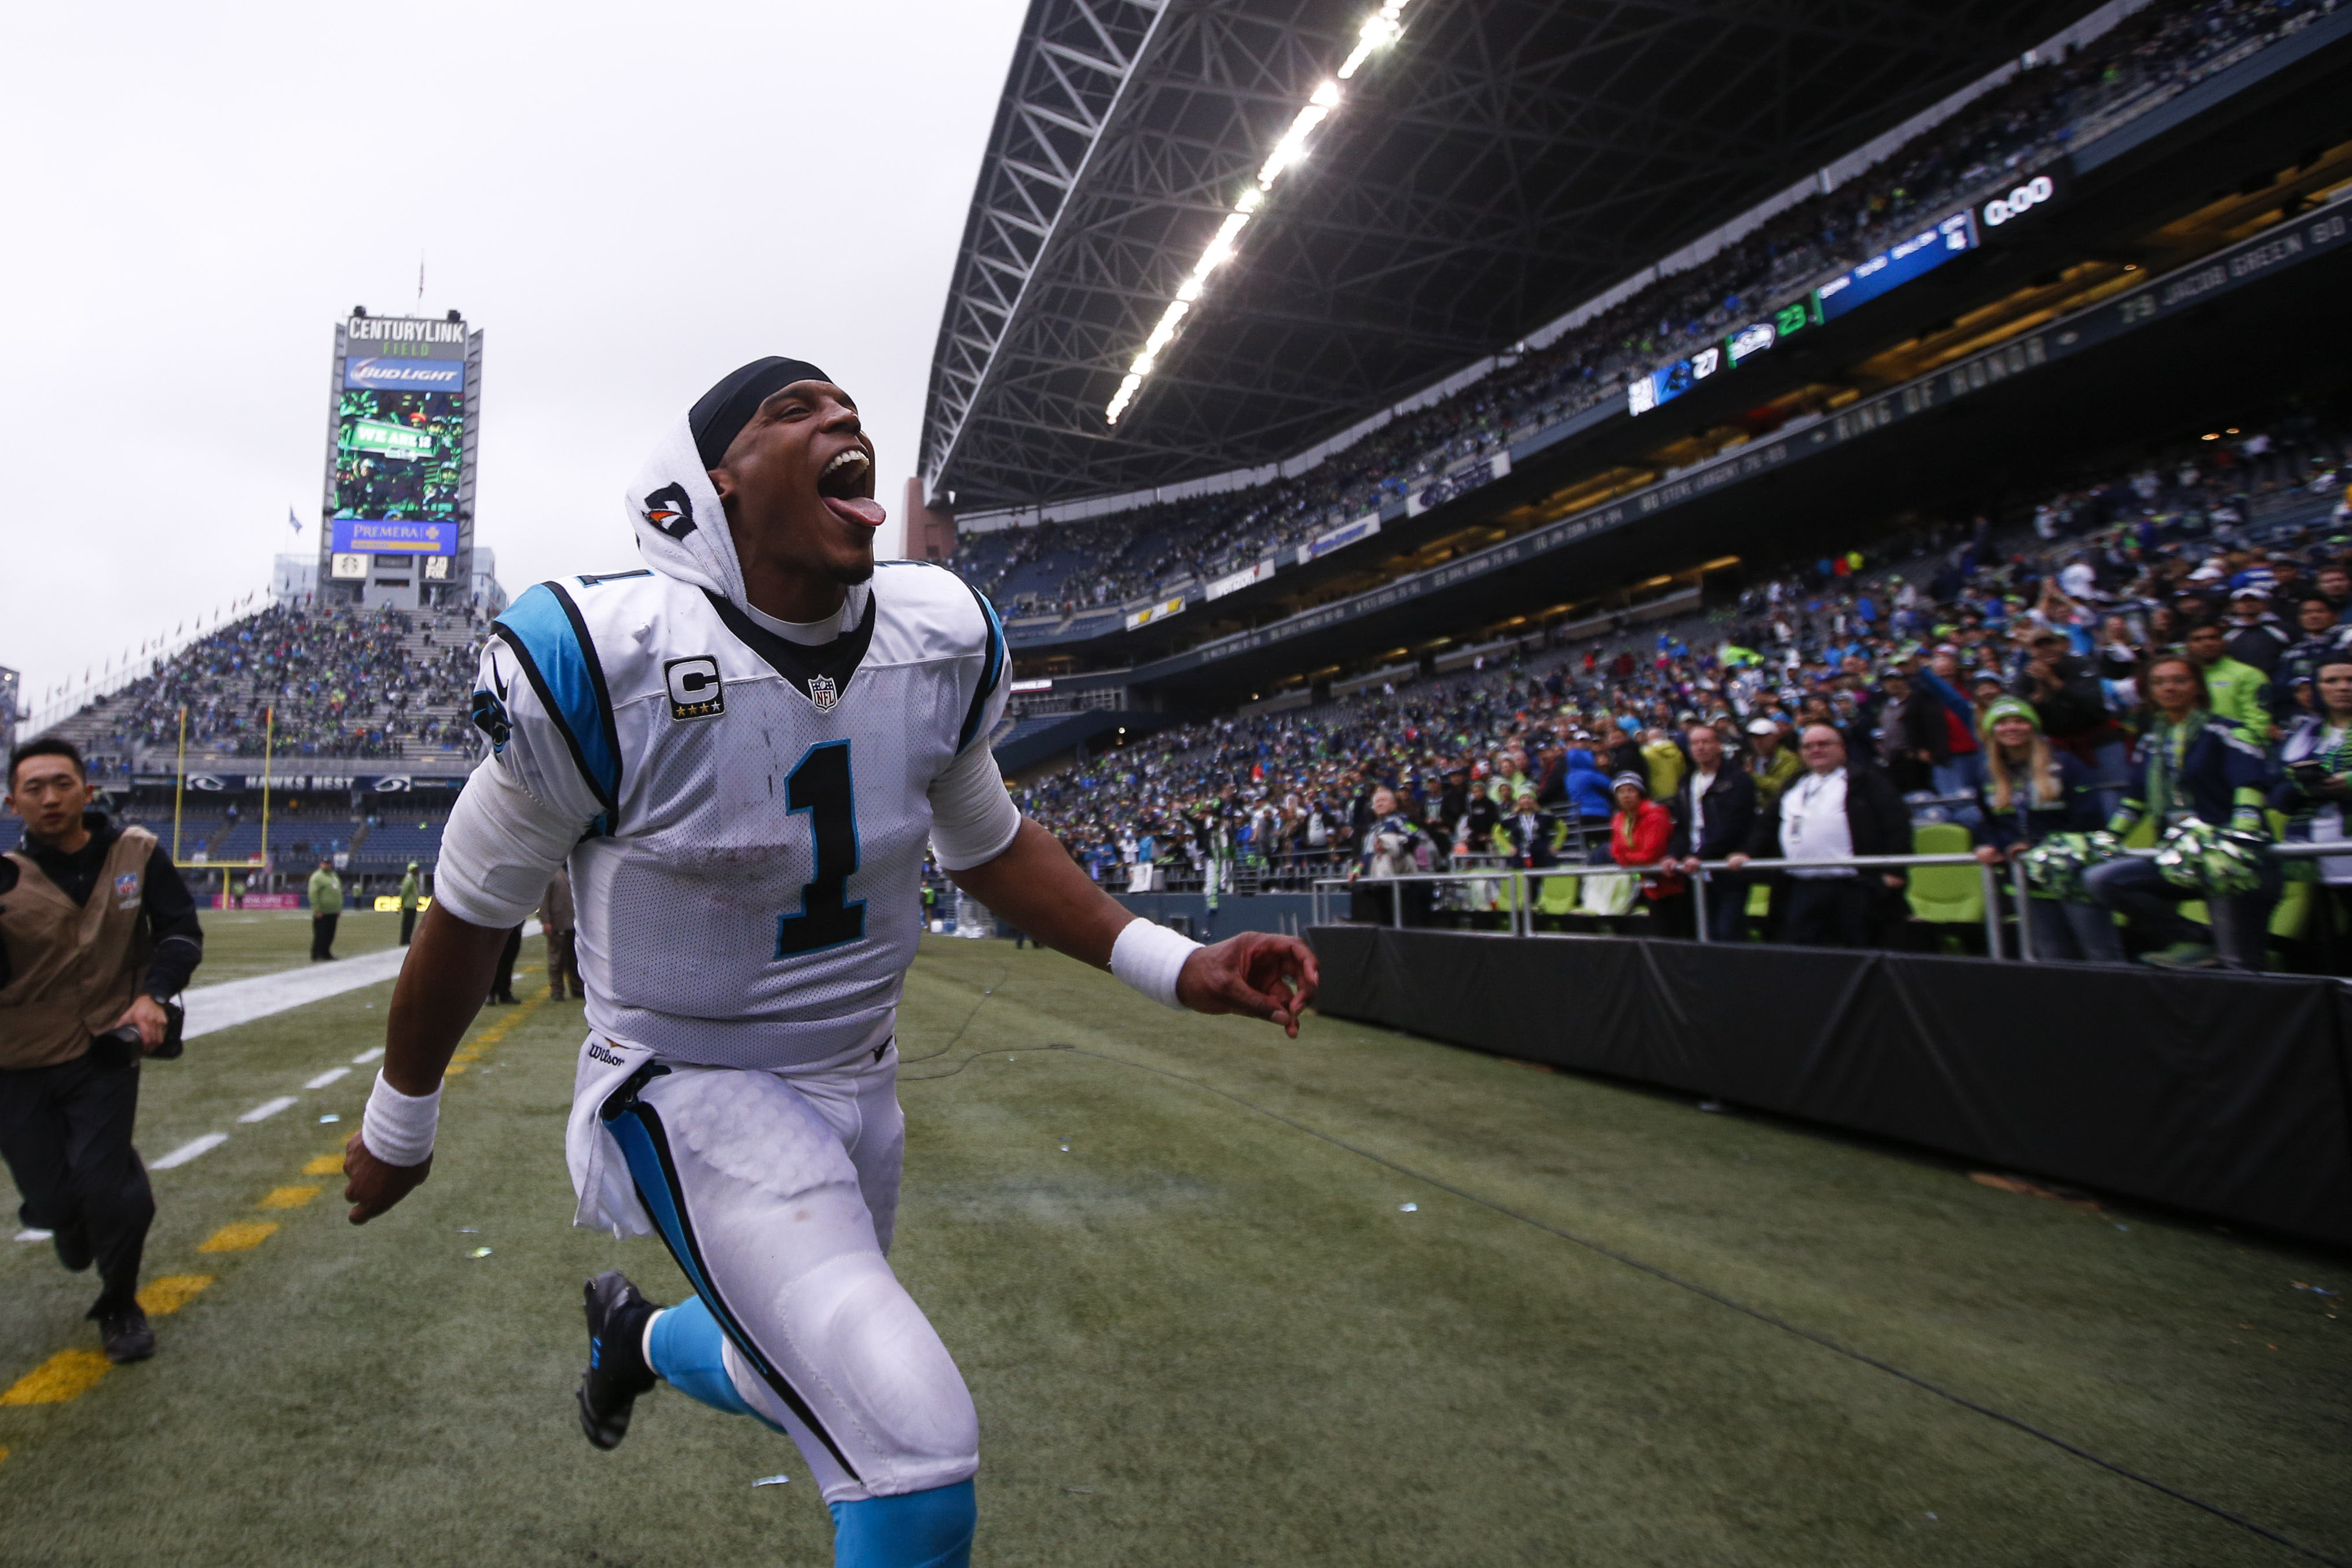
x=126, y=891
x=824, y=693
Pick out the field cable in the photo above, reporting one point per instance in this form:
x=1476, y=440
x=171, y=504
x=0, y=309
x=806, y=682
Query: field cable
x=905, y=1062
x=1758, y=1313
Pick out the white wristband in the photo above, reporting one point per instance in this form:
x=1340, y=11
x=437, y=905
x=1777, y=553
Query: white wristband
x=398, y=1127
x=1149, y=956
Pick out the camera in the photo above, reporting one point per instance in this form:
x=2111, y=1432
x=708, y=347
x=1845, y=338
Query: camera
x=120, y=1047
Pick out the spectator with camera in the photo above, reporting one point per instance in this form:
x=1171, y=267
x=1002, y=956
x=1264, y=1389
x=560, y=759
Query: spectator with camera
x=2195, y=769
x=97, y=934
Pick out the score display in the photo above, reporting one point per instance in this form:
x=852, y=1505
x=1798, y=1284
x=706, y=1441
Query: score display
x=1896, y=265
x=1911, y=256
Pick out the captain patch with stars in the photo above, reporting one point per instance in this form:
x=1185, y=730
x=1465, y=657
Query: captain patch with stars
x=695, y=691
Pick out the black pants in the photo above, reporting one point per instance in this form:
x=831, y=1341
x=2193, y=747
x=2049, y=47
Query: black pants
x=407, y=926
x=1828, y=912
x=322, y=935
x=66, y=1133
x=503, y=978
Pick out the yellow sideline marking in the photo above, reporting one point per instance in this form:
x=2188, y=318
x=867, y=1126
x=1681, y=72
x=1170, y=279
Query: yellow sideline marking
x=61, y=1377
x=163, y=1297
x=492, y=1035
x=238, y=1237
x=70, y=1373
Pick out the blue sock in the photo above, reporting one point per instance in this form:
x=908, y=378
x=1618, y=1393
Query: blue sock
x=915, y=1529
x=685, y=1350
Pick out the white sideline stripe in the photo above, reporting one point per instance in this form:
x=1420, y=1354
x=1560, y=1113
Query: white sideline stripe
x=186, y=1152
x=212, y=1008
x=365, y=1056
x=34, y=1234
x=267, y=1108
x=324, y=1079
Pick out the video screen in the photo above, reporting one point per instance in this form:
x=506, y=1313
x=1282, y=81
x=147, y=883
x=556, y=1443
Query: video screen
x=398, y=454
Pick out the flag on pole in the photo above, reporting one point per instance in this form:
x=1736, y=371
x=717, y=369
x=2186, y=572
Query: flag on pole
x=292, y=521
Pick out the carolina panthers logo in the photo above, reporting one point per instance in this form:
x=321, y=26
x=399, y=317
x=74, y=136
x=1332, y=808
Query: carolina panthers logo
x=490, y=717
x=670, y=510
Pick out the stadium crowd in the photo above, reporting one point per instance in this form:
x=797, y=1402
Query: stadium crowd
x=2039, y=113
x=345, y=682
x=2133, y=654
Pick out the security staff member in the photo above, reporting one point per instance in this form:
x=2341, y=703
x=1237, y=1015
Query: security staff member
x=326, y=911
x=409, y=890
x=96, y=930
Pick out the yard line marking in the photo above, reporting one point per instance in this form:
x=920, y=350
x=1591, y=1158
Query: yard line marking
x=192, y=1148
x=325, y=1166
x=63, y=1376
x=34, y=1234
x=235, y=1002
x=324, y=1079
x=286, y=1197
x=163, y=1297
x=267, y=1108
x=366, y=1057
x=238, y=1237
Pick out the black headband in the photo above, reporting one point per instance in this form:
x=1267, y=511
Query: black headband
x=722, y=412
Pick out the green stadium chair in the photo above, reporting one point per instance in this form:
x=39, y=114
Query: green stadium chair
x=1945, y=895
x=1558, y=895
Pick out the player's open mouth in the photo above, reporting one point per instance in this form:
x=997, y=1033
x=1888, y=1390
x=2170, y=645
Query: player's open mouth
x=846, y=487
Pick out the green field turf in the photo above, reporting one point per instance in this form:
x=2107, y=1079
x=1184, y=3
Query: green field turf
x=241, y=944
x=1209, y=1334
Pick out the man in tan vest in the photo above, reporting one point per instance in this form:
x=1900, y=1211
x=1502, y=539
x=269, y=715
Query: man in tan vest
x=95, y=930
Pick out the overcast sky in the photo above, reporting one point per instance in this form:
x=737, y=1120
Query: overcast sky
x=628, y=200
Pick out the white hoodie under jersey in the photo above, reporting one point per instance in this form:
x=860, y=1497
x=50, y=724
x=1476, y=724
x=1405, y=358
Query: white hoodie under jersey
x=745, y=812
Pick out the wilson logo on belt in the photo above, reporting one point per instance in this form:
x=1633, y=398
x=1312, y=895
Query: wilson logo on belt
x=695, y=691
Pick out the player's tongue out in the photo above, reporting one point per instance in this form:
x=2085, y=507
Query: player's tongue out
x=843, y=485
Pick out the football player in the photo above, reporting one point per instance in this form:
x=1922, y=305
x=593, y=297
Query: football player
x=743, y=753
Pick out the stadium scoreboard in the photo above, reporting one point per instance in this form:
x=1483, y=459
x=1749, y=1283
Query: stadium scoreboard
x=1914, y=256
x=403, y=438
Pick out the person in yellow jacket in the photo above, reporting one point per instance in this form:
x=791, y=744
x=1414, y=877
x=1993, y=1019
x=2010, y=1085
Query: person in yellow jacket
x=326, y=909
x=409, y=891
x=2241, y=692
x=1665, y=762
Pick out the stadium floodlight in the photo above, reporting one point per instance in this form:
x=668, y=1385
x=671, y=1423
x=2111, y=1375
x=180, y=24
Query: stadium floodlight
x=1379, y=28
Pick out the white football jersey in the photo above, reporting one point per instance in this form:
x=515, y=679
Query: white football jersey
x=754, y=810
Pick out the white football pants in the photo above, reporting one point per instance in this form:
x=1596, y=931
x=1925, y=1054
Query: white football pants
x=776, y=1194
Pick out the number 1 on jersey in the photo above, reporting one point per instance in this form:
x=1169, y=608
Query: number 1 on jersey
x=820, y=785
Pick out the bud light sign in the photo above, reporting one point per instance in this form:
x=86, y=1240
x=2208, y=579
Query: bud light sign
x=406, y=375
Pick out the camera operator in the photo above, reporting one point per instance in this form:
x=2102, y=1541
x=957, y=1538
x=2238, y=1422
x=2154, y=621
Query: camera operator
x=95, y=930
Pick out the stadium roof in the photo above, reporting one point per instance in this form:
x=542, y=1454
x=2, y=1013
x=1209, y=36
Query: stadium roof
x=1501, y=161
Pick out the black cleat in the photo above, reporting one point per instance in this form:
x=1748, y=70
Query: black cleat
x=126, y=1336
x=617, y=1372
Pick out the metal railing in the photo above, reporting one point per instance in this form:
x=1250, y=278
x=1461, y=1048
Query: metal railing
x=1520, y=904
x=1521, y=909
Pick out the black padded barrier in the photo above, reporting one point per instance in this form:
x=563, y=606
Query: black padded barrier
x=2227, y=1095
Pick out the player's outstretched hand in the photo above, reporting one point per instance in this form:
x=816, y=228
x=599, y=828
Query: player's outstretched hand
x=1256, y=973
x=370, y=1186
